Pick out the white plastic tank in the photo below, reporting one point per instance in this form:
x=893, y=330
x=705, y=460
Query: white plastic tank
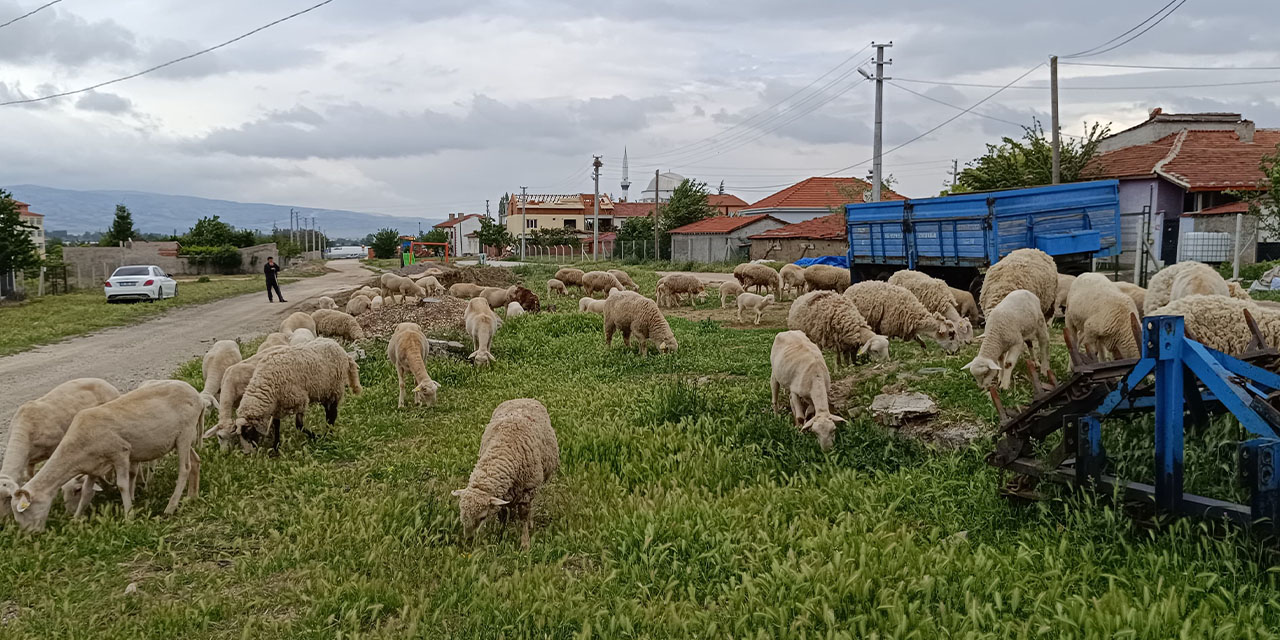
x=1205, y=246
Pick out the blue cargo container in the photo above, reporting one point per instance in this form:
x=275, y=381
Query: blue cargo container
x=953, y=237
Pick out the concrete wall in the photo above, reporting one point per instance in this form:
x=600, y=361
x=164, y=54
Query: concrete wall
x=88, y=266
x=792, y=249
x=717, y=247
x=1227, y=224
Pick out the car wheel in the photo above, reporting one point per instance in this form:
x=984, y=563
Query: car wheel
x=174, y=293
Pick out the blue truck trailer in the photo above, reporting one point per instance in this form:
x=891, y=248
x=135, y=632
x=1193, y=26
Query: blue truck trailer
x=957, y=237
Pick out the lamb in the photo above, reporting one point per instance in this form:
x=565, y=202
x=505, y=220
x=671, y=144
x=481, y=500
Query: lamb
x=234, y=382
x=336, y=324
x=39, y=425
x=135, y=428
x=514, y=310
x=358, y=304
x=528, y=300
x=301, y=336
x=1160, y=288
x=1136, y=293
x=893, y=311
x=754, y=303
x=832, y=322
x=570, y=277
x=936, y=296
x=819, y=277
x=600, y=282
x=325, y=302
x=406, y=351
x=1014, y=323
x=298, y=319
x=1064, y=289
x=729, y=289
x=518, y=454
x=221, y=355
x=591, y=305
x=630, y=313
x=967, y=306
x=673, y=285
x=431, y=286
x=367, y=291
x=497, y=297
x=1218, y=322
x=798, y=366
x=554, y=285
x=1198, y=279
x=1029, y=269
x=625, y=279
x=276, y=339
x=481, y=323
x=375, y=303
x=1101, y=318
x=286, y=381
x=754, y=274
x=792, y=279
x=465, y=290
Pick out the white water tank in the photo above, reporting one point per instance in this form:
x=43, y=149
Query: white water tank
x=1205, y=246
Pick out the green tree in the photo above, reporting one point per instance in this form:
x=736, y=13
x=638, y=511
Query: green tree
x=53, y=250
x=1264, y=202
x=435, y=235
x=1029, y=162
x=17, y=249
x=853, y=192
x=503, y=204
x=211, y=232
x=635, y=238
x=492, y=234
x=385, y=242
x=554, y=237
x=688, y=204
x=121, y=228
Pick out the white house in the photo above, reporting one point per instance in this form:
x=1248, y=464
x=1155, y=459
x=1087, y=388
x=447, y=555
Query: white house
x=462, y=230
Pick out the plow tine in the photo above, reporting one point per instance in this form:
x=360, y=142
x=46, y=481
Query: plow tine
x=995, y=399
x=1071, y=348
x=1257, y=343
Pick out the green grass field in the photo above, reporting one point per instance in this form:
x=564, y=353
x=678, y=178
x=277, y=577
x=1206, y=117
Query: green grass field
x=684, y=508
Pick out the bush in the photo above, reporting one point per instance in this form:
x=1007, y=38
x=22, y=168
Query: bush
x=1248, y=272
x=225, y=258
x=385, y=243
x=203, y=279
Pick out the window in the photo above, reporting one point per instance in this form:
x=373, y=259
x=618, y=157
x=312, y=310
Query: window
x=571, y=224
x=531, y=223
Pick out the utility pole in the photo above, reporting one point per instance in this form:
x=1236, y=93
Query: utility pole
x=293, y=213
x=524, y=224
x=657, y=201
x=315, y=237
x=486, y=208
x=1053, y=108
x=955, y=172
x=877, y=162
x=595, y=224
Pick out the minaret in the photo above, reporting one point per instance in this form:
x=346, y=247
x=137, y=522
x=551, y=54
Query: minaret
x=626, y=180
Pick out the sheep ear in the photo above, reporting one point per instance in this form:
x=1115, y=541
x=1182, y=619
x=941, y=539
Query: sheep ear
x=969, y=367
x=862, y=351
x=835, y=418
x=807, y=426
x=498, y=502
x=21, y=501
x=457, y=493
x=209, y=433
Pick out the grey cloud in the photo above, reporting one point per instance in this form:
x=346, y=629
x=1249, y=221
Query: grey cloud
x=257, y=57
x=63, y=37
x=104, y=102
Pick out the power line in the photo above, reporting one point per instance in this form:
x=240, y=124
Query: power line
x=1088, y=51
x=1090, y=88
x=171, y=62
x=30, y=13
x=1135, y=36
x=1165, y=67
x=976, y=113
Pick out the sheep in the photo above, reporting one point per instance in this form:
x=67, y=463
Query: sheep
x=729, y=289
x=556, y=286
x=1014, y=323
x=624, y=279
x=431, y=286
x=1029, y=269
x=137, y=427
x=1198, y=279
x=818, y=277
x=375, y=303
x=514, y=310
x=405, y=287
x=298, y=319
x=936, y=296
x=1060, y=300
x=301, y=336
x=1235, y=290
x=528, y=300
x=792, y=279
x=234, y=382
x=1160, y=288
x=967, y=306
x=1218, y=322
x=497, y=297
x=673, y=285
x=591, y=305
x=570, y=277
x=754, y=303
x=286, y=381
x=406, y=351
x=600, y=282
x=358, y=304
x=798, y=366
x=481, y=323
x=895, y=312
x=221, y=355
x=367, y=291
x=518, y=454
x=1136, y=293
x=754, y=274
x=336, y=324
x=630, y=313
x=465, y=290
x=833, y=322
x=1101, y=318
x=38, y=426
x=325, y=302
x=275, y=339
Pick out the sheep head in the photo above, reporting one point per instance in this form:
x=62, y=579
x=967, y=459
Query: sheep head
x=30, y=511
x=475, y=507
x=8, y=487
x=822, y=425
x=425, y=393
x=877, y=348
x=481, y=357
x=668, y=346
x=985, y=371
x=946, y=334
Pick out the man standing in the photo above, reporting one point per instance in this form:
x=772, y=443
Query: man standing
x=270, y=271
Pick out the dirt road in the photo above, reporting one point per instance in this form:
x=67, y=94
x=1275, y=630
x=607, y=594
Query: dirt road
x=125, y=356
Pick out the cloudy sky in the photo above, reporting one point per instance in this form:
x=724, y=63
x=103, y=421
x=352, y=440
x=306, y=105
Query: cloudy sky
x=415, y=107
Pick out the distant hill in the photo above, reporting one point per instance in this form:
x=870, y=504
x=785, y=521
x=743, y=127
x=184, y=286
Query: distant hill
x=80, y=211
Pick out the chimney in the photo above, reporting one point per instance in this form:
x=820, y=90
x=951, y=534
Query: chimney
x=451, y=216
x=1151, y=115
x=1244, y=131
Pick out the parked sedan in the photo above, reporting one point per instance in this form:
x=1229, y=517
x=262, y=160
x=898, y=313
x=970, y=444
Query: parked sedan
x=139, y=282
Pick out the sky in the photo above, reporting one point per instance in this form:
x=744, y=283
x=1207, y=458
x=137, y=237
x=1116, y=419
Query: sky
x=422, y=108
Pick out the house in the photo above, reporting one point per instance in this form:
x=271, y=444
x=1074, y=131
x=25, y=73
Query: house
x=726, y=204
x=1180, y=170
x=718, y=239
x=814, y=198
x=462, y=229
x=573, y=211
x=824, y=236
x=35, y=221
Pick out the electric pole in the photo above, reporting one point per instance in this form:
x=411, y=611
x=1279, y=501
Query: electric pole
x=524, y=224
x=877, y=166
x=657, y=193
x=955, y=172
x=595, y=224
x=1053, y=107
x=486, y=207
x=293, y=237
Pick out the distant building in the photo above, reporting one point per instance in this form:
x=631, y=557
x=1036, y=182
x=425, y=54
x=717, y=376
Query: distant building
x=35, y=220
x=462, y=229
x=666, y=185
x=718, y=239
x=825, y=236
x=726, y=204
x=813, y=198
x=574, y=211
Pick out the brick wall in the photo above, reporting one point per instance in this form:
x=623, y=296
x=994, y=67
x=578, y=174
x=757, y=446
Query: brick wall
x=792, y=249
x=88, y=266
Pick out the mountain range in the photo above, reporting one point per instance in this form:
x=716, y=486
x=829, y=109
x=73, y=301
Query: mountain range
x=81, y=211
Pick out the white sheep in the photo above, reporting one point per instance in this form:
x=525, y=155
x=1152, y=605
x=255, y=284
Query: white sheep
x=465, y=290
x=1198, y=279
x=336, y=324
x=301, y=336
x=137, y=427
x=275, y=339
x=591, y=305
x=406, y=351
x=1064, y=289
x=358, y=304
x=1160, y=288
x=729, y=289
x=1013, y=324
x=1101, y=318
x=1235, y=290
x=514, y=310
x=325, y=302
x=1135, y=293
x=833, y=322
x=1029, y=269
x=481, y=323
x=570, y=277
x=518, y=454
x=760, y=276
x=393, y=285
x=753, y=302
x=673, y=285
x=234, y=382
x=792, y=276
x=594, y=282
x=375, y=303
x=798, y=366
x=893, y=311
x=431, y=286
x=824, y=277
x=497, y=297
x=630, y=312
x=298, y=319
x=625, y=279
x=1218, y=322
x=556, y=286
x=221, y=355
x=937, y=297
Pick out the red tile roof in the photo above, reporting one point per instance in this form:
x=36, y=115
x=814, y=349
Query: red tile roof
x=32, y=214
x=632, y=209
x=830, y=227
x=819, y=192
x=450, y=223
x=1222, y=209
x=722, y=224
x=725, y=200
x=1197, y=160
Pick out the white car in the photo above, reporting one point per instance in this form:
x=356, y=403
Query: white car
x=139, y=282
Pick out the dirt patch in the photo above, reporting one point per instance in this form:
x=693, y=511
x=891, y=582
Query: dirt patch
x=436, y=315
x=845, y=389
x=948, y=433
x=483, y=276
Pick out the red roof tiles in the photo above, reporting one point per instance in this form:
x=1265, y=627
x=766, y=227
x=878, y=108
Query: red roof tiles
x=820, y=192
x=1222, y=209
x=450, y=223
x=1197, y=160
x=830, y=227
x=632, y=209
x=721, y=224
x=725, y=200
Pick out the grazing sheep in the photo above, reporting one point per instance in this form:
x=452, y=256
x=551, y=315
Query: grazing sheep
x=528, y=300
x=367, y=291
x=336, y=324
x=673, y=285
x=556, y=286
x=481, y=323
x=301, y=336
x=406, y=351
x=1160, y=288
x=594, y=282
x=1238, y=292
x=514, y=310
x=234, y=382
x=375, y=303
x=625, y=279
x=1029, y=269
x=1101, y=318
x=967, y=306
x=1064, y=289
x=792, y=279
x=936, y=296
x=630, y=312
x=38, y=426
x=298, y=319
x=729, y=289
x=465, y=290
x=819, y=277
x=221, y=355
x=518, y=454
x=276, y=339
x=1198, y=279
x=358, y=304
x=497, y=297
x=760, y=276
x=1013, y=324
x=137, y=427
x=754, y=303
x=798, y=366
x=591, y=305
x=895, y=312
x=325, y=302
x=1136, y=293
x=431, y=286
x=404, y=287
x=832, y=321
x=1218, y=322
x=570, y=277
x=286, y=381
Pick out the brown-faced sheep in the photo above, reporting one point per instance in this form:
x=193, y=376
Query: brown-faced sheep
x=760, y=276
x=632, y=313
x=406, y=351
x=824, y=277
x=1029, y=269
x=967, y=306
x=297, y=319
x=895, y=312
x=833, y=322
x=799, y=368
x=481, y=323
x=336, y=324
x=1238, y=292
